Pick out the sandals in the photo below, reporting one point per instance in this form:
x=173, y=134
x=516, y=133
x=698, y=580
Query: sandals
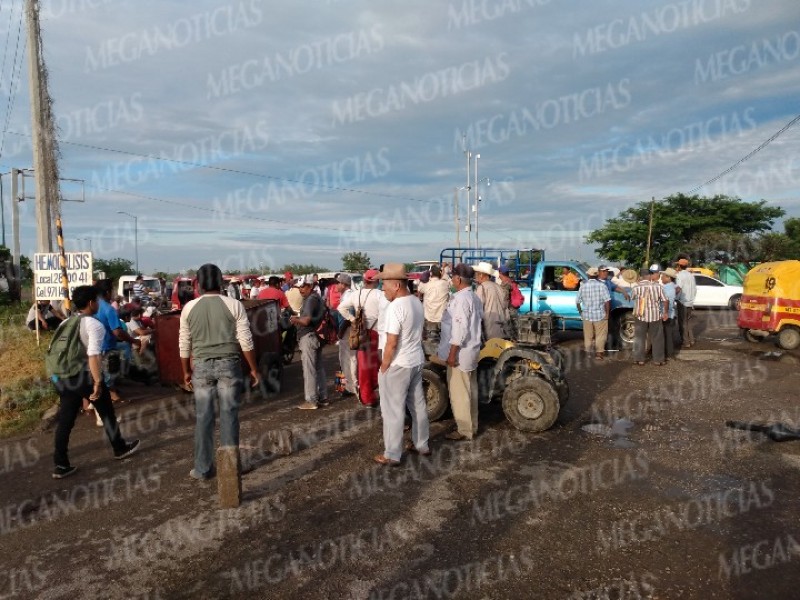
x=387, y=462
x=599, y=356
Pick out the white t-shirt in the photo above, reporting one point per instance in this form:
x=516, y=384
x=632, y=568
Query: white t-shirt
x=92, y=334
x=405, y=318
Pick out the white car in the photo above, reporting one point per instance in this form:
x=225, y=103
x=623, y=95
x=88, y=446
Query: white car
x=712, y=293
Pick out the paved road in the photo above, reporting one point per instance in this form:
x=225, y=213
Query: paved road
x=666, y=504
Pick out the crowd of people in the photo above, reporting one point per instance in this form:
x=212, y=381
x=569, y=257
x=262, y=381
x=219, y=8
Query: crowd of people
x=382, y=357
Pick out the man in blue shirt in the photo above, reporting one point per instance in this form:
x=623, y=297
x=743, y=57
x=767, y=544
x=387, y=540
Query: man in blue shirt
x=115, y=332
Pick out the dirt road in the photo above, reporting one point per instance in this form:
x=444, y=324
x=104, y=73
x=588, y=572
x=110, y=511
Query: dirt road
x=640, y=491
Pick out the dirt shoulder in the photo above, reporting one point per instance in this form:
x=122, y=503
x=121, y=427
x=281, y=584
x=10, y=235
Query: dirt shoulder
x=656, y=499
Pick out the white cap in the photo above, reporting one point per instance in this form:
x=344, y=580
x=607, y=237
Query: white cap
x=654, y=268
x=304, y=280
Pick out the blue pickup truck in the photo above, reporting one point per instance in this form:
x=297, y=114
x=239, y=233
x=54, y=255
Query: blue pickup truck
x=539, y=282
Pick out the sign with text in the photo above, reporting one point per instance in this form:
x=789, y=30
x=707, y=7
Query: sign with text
x=47, y=273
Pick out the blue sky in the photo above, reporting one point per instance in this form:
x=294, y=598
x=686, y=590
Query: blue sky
x=252, y=133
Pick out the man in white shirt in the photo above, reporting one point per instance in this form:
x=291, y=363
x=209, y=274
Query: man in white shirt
x=686, y=291
x=370, y=299
x=400, y=376
x=435, y=295
x=459, y=346
x=88, y=383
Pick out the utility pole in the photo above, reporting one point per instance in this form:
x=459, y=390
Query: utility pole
x=477, y=200
x=469, y=201
x=649, y=232
x=15, y=252
x=43, y=135
x=455, y=217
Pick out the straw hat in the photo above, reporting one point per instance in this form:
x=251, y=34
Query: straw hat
x=393, y=271
x=629, y=275
x=486, y=268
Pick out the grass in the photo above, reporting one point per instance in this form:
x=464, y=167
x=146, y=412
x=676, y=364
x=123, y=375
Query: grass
x=25, y=392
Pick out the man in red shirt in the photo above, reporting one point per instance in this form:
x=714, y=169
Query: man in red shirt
x=272, y=291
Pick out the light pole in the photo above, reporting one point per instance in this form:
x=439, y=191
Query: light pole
x=135, y=235
x=478, y=198
x=86, y=240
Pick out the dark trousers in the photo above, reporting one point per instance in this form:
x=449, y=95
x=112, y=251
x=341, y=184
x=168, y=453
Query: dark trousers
x=655, y=331
x=669, y=338
x=684, y=323
x=52, y=324
x=71, y=392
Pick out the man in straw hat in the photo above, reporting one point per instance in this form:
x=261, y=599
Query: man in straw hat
x=459, y=346
x=495, y=306
x=400, y=374
x=686, y=292
x=649, y=309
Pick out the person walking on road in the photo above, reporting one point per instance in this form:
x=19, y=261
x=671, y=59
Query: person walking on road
x=213, y=329
x=686, y=291
x=650, y=310
x=87, y=383
x=594, y=304
x=459, y=346
x=400, y=376
x=311, y=314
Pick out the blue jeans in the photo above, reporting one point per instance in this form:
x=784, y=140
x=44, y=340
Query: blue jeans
x=215, y=379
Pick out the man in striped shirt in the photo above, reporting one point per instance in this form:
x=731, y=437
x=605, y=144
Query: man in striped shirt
x=650, y=308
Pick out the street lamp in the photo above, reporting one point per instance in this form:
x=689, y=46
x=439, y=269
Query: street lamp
x=135, y=235
x=478, y=198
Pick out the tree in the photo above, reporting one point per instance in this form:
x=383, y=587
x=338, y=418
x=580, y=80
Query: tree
x=303, y=269
x=355, y=262
x=677, y=220
x=114, y=268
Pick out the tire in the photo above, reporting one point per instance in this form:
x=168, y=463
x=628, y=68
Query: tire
x=625, y=329
x=288, y=348
x=562, y=389
x=751, y=337
x=735, y=302
x=436, y=397
x=270, y=367
x=789, y=337
x=531, y=404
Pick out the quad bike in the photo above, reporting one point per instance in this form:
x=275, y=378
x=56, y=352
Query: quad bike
x=524, y=374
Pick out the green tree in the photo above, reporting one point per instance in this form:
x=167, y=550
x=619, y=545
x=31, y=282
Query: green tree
x=297, y=269
x=355, y=262
x=677, y=220
x=114, y=268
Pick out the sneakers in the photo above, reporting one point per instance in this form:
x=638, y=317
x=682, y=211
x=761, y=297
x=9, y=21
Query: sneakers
x=129, y=450
x=308, y=406
x=324, y=402
x=61, y=472
x=195, y=474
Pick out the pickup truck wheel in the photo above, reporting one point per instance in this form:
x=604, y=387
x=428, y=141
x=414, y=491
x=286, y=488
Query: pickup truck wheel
x=436, y=398
x=626, y=329
x=752, y=337
x=789, y=337
x=531, y=404
x=270, y=367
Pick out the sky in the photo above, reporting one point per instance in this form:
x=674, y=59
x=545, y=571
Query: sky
x=254, y=133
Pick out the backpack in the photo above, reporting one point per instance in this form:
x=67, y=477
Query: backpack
x=326, y=330
x=66, y=354
x=516, y=298
x=359, y=333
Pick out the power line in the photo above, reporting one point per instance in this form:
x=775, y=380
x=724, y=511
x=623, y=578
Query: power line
x=763, y=145
x=11, y=93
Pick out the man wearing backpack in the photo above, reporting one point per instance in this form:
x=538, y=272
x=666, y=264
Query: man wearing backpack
x=74, y=364
x=312, y=313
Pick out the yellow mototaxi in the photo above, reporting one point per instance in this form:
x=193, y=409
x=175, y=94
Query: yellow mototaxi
x=771, y=303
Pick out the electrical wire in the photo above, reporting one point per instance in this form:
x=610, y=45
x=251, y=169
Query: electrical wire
x=763, y=145
x=11, y=93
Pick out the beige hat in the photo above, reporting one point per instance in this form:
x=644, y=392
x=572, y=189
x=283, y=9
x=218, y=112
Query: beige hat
x=592, y=272
x=486, y=268
x=629, y=275
x=393, y=271
x=669, y=271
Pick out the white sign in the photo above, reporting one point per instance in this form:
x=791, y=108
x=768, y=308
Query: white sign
x=47, y=273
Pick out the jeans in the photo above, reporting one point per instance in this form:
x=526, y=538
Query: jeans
x=215, y=379
x=313, y=370
x=71, y=392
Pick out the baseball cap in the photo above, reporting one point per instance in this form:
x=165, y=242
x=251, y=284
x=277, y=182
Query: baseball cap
x=304, y=280
x=464, y=270
x=655, y=268
x=592, y=272
x=371, y=275
x=344, y=279
x=602, y=268
x=503, y=269
x=288, y=275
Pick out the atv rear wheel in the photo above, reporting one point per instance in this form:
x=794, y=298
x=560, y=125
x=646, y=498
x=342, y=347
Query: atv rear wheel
x=436, y=397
